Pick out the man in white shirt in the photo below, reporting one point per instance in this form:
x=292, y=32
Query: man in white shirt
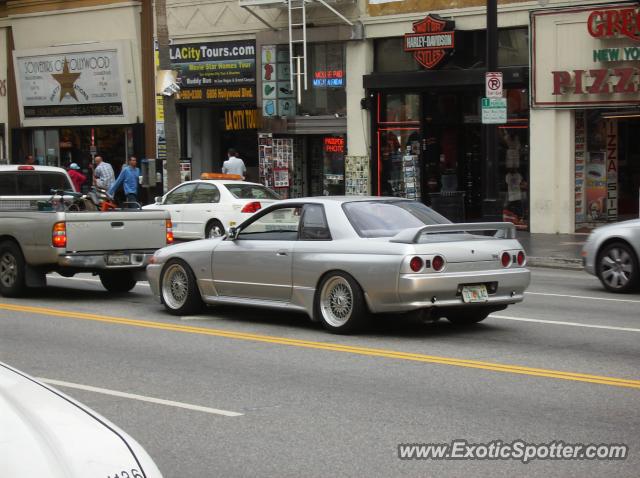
x=234, y=165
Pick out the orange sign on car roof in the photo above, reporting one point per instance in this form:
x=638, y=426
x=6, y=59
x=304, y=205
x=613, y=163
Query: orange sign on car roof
x=220, y=176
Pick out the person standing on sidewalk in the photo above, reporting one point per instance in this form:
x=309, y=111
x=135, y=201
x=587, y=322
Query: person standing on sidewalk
x=234, y=165
x=103, y=175
x=77, y=178
x=129, y=177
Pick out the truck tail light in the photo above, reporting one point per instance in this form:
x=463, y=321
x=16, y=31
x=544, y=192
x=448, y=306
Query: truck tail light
x=505, y=259
x=521, y=258
x=59, y=235
x=169, y=227
x=252, y=207
x=437, y=263
x=416, y=264
x=26, y=168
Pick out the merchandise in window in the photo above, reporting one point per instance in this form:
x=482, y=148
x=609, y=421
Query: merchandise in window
x=325, y=93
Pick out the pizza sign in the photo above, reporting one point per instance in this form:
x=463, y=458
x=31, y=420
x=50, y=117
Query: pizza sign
x=432, y=40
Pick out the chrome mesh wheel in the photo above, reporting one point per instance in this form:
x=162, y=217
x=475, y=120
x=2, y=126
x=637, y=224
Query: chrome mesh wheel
x=336, y=301
x=175, y=286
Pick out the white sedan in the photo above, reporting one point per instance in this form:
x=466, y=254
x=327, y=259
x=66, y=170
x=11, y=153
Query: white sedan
x=209, y=207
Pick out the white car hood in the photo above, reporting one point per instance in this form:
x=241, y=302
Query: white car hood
x=43, y=432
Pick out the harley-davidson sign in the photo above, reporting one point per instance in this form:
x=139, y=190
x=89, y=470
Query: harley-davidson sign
x=432, y=40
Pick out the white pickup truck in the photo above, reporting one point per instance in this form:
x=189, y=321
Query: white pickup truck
x=115, y=245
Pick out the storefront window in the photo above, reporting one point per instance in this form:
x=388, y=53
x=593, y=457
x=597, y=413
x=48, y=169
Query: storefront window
x=400, y=108
x=607, y=167
x=325, y=93
x=327, y=164
x=430, y=147
x=513, y=156
x=398, y=163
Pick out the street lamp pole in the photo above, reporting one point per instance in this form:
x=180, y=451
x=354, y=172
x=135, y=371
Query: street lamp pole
x=491, y=210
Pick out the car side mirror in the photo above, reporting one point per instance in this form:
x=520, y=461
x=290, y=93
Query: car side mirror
x=158, y=199
x=232, y=234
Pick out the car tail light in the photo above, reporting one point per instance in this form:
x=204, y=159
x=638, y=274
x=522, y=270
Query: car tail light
x=252, y=207
x=59, y=235
x=169, y=226
x=416, y=264
x=521, y=258
x=26, y=168
x=437, y=263
x=505, y=259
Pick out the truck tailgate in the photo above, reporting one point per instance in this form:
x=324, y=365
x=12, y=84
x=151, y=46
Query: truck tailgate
x=116, y=230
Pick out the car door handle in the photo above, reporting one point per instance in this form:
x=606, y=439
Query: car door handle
x=117, y=224
x=281, y=253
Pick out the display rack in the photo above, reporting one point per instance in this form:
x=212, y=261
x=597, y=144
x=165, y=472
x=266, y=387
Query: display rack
x=356, y=169
x=275, y=162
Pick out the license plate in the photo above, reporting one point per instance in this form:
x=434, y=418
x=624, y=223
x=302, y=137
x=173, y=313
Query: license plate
x=475, y=293
x=118, y=260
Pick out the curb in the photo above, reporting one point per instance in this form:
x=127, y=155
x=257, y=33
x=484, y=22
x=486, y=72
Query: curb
x=555, y=262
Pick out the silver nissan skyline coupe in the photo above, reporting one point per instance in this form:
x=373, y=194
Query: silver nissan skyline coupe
x=340, y=259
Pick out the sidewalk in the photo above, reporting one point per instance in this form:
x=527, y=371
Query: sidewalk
x=553, y=250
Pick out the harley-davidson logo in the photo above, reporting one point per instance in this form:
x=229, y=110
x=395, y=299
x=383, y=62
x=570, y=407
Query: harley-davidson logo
x=432, y=40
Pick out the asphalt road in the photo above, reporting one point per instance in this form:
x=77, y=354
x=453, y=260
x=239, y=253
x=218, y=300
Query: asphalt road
x=283, y=398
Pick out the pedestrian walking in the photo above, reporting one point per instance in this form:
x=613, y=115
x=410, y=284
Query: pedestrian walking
x=234, y=165
x=103, y=175
x=28, y=159
x=128, y=177
x=77, y=178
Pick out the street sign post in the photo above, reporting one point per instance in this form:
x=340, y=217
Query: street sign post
x=494, y=110
x=493, y=84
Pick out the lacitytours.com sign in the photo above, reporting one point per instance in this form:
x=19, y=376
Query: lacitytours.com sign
x=216, y=72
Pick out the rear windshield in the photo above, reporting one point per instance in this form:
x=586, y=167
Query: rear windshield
x=32, y=183
x=388, y=218
x=251, y=191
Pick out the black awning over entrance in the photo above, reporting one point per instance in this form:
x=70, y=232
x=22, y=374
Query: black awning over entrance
x=437, y=78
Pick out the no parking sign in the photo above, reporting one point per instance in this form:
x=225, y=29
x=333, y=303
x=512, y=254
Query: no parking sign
x=493, y=84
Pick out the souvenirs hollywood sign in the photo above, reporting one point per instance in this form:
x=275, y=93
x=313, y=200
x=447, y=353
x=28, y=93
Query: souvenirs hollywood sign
x=432, y=40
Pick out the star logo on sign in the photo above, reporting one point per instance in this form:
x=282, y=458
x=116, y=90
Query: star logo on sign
x=67, y=81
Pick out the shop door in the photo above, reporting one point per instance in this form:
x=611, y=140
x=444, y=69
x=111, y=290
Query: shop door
x=451, y=154
x=628, y=168
x=46, y=147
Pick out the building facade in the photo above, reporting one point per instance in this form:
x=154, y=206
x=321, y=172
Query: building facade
x=389, y=103
x=382, y=115
x=75, y=81
x=586, y=115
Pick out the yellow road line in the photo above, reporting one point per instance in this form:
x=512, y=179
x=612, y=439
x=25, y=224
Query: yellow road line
x=496, y=367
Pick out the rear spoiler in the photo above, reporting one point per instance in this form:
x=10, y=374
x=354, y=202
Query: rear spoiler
x=504, y=230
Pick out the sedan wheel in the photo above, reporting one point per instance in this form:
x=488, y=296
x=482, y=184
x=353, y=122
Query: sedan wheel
x=340, y=303
x=618, y=267
x=214, y=229
x=178, y=288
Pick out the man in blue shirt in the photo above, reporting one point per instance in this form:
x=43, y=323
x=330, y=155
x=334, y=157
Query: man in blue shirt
x=129, y=178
